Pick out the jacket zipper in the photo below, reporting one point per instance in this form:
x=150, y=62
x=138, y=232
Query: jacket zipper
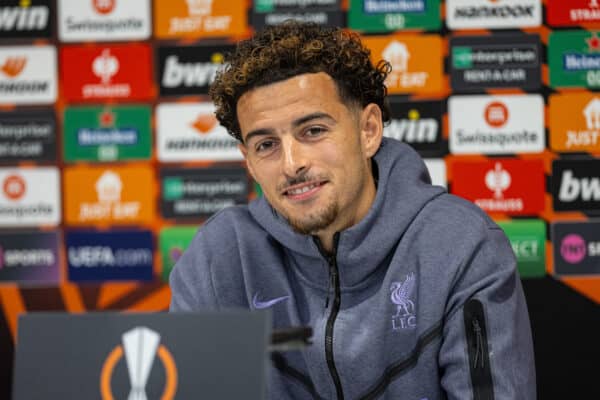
x=335, y=308
x=477, y=345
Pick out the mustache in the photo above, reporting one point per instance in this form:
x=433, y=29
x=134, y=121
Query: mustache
x=303, y=177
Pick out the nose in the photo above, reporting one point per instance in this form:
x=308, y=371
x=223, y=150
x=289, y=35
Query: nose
x=294, y=157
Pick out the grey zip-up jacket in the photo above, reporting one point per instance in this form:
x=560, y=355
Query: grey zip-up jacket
x=421, y=300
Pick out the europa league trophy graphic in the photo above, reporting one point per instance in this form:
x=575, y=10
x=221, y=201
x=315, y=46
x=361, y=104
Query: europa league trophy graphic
x=140, y=346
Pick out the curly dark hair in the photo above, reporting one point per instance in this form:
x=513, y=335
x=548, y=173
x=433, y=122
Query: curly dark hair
x=293, y=48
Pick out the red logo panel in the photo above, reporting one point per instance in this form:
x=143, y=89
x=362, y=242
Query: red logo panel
x=119, y=72
x=573, y=12
x=504, y=186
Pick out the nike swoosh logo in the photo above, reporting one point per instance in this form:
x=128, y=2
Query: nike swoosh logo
x=266, y=304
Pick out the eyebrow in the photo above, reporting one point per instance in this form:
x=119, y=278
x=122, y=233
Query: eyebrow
x=296, y=123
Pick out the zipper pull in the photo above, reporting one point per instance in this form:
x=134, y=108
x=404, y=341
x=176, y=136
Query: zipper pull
x=478, y=342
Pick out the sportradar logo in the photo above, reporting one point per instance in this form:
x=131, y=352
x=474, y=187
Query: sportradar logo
x=140, y=347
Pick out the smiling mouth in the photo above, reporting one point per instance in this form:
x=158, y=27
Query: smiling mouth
x=304, y=190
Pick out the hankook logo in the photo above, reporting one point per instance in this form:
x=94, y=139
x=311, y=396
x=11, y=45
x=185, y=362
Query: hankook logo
x=140, y=347
x=465, y=14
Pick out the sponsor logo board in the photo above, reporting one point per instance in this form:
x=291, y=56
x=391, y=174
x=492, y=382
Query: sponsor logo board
x=26, y=19
x=173, y=241
x=323, y=17
x=29, y=258
x=574, y=121
x=200, y=192
x=417, y=123
x=109, y=256
x=117, y=195
x=493, y=14
x=416, y=61
x=528, y=241
x=391, y=15
x=500, y=186
x=29, y=197
x=576, y=185
x=27, y=135
x=27, y=75
x=574, y=59
x=500, y=61
x=437, y=171
x=199, y=18
x=572, y=12
x=107, y=133
x=496, y=124
x=189, y=70
x=268, y=6
x=103, y=20
x=191, y=132
x=576, y=248
x=119, y=72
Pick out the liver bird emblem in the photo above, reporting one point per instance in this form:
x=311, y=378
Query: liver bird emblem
x=401, y=292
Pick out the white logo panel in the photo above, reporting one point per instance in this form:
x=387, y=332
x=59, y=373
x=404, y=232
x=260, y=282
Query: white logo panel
x=496, y=124
x=437, y=171
x=29, y=197
x=473, y=14
x=103, y=20
x=27, y=75
x=191, y=132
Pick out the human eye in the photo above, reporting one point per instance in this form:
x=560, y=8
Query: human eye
x=314, y=131
x=264, y=146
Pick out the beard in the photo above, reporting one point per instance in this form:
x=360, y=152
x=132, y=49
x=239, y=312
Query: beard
x=311, y=223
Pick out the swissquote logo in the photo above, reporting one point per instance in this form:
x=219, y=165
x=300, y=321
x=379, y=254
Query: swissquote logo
x=467, y=14
x=103, y=20
x=29, y=197
x=496, y=124
x=575, y=122
x=500, y=186
x=189, y=70
x=191, y=132
x=25, y=18
x=576, y=184
x=27, y=75
x=141, y=348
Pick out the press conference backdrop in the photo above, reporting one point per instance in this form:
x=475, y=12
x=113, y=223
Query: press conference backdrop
x=111, y=156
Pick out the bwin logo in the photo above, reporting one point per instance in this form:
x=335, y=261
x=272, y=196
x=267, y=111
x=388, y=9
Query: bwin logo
x=413, y=130
x=571, y=188
x=23, y=18
x=188, y=74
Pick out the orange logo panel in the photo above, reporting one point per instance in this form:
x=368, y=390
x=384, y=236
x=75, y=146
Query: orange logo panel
x=199, y=18
x=109, y=195
x=574, y=120
x=417, y=61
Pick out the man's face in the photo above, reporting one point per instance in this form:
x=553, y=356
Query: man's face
x=310, y=152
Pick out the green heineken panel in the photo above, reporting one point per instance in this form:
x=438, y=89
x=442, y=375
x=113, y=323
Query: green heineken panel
x=107, y=133
x=528, y=240
x=574, y=59
x=172, y=243
x=382, y=16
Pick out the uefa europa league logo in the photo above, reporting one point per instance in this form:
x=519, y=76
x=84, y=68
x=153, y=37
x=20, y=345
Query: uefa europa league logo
x=140, y=346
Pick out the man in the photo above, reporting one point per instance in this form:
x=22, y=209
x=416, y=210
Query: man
x=412, y=293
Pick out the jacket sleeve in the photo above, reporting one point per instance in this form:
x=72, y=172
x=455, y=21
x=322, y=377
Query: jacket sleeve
x=191, y=279
x=486, y=351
